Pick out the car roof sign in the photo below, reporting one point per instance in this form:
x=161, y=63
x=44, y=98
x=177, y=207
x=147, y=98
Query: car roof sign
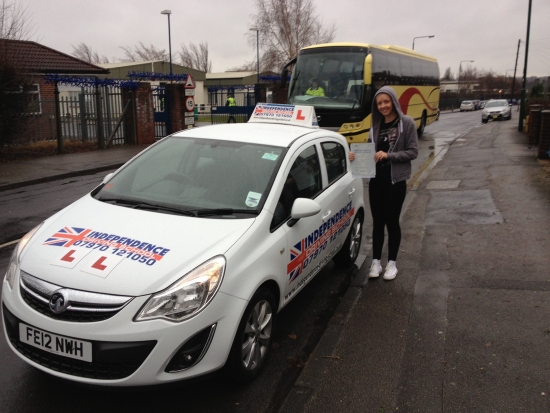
x=286, y=114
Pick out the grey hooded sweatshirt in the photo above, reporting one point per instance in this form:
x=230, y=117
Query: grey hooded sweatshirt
x=406, y=145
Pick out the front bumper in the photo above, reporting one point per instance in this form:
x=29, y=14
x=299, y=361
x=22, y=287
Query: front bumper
x=495, y=115
x=125, y=353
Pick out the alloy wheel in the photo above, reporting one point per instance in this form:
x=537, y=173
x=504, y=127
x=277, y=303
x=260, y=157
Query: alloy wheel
x=257, y=335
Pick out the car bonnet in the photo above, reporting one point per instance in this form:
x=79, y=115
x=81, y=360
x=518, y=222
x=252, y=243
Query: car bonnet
x=98, y=247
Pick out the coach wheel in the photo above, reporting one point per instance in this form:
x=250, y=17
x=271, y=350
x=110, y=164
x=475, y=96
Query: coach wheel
x=420, y=130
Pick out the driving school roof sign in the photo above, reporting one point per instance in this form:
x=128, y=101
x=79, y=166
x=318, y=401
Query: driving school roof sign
x=287, y=114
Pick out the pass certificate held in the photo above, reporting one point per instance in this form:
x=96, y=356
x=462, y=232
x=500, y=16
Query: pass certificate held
x=364, y=165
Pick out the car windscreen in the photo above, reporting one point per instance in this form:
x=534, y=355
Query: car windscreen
x=197, y=177
x=467, y=102
x=496, y=104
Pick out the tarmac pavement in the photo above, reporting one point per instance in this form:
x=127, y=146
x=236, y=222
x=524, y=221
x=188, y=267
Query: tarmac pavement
x=465, y=326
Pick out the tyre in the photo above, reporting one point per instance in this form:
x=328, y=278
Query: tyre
x=509, y=116
x=350, y=250
x=420, y=130
x=253, y=339
x=484, y=120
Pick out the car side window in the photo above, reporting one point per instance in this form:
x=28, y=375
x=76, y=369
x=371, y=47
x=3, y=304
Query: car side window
x=335, y=160
x=303, y=181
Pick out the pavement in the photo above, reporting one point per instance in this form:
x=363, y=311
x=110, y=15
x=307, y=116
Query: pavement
x=465, y=326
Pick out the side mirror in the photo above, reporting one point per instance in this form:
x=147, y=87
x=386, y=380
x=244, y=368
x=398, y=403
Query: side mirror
x=303, y=208
x=106, y=179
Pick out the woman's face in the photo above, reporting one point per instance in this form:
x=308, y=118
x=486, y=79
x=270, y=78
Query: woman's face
x=384, y=104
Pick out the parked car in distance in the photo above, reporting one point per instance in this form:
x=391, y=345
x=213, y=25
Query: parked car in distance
x=496, y=109
x=482, y=104
x=476, y=104
x=467, y=105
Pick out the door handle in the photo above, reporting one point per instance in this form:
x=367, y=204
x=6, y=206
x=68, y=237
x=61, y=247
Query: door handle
x=351, y=192
x=326, y=215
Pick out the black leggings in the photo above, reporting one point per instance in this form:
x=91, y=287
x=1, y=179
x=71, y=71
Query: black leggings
x=386, y=201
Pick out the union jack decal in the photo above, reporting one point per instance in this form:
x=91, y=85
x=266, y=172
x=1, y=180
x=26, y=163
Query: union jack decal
x=297, y=258
x=67, y=236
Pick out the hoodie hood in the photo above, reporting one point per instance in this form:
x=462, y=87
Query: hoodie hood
x=378, y=118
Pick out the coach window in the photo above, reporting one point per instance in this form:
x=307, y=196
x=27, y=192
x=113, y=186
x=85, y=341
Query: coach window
x=335, y=160
x=303, y=181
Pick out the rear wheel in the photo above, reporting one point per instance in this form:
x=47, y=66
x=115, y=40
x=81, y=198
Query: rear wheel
x=350, y=250
x=253, y=339
x=420, y=130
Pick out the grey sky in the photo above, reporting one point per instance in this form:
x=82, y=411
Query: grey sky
x=486, y=31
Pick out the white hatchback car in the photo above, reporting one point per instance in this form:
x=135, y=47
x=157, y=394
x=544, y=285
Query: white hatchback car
x=177, y=264
x=467, y=105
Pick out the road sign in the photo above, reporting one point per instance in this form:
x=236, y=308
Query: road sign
x=189, y=103
x=189, y=83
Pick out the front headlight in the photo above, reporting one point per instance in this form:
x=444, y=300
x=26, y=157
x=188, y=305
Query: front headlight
x=13, y=265
x=188, y=296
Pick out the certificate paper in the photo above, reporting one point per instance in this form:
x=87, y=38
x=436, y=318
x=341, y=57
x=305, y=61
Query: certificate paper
x=364, y=165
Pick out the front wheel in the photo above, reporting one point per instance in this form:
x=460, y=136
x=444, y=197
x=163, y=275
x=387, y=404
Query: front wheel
x=484, y=120
x=350, y=250
x=253, y=339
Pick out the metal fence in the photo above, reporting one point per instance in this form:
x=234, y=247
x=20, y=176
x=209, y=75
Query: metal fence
x=79, y=117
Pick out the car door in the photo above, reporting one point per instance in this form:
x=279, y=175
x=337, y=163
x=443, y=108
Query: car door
x=304, y=179
x=340, y=195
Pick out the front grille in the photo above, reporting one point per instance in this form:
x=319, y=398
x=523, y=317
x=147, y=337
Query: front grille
x=83, y=307
x=110, y=360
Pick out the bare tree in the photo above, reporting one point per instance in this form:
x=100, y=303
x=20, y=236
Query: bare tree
x=15, y=21
x=196, y=57
x=448, y=75
x=141, y=53
x=84, y=52
x=285, y=26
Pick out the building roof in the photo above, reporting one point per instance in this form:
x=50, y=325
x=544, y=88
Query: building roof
x=119, y=70
x=36, y=58
x=229, y=75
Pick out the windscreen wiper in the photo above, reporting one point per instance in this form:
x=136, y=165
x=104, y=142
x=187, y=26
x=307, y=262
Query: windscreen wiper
x=147, y=206
x=223, y=211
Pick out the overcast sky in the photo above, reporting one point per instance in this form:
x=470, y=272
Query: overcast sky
x=486, y=31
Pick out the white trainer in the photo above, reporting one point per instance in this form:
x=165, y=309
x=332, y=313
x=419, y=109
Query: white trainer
x=375, y=269
x=391, y=271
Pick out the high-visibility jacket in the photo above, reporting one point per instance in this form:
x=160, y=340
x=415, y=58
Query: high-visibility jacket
x=231, y=102
x=315, y=92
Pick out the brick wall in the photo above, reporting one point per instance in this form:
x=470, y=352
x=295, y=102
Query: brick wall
x=139, y=125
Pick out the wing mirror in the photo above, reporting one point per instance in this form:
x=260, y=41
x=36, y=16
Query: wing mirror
x=107, y=177
x=303, y=208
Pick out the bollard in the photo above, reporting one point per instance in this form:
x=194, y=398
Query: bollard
x=544, y=142
x=534, y=126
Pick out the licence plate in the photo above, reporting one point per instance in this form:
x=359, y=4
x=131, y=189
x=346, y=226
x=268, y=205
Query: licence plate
x=495, y=116
x=52, y=343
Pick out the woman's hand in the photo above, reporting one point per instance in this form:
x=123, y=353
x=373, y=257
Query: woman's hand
x=380, y=156
x=351, y=156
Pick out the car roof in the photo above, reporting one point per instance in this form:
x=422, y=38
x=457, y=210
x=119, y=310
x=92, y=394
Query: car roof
x=256, y=133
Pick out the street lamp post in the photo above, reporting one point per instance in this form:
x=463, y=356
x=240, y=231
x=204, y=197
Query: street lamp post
x=168, y=13
x=460, y=71
x=257, y=49
x=421, y=37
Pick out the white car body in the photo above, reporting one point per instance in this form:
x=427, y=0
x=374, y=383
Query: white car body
x=467, y=105
x=112, y=250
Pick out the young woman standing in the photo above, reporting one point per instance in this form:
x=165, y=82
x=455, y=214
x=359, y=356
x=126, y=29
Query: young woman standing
x=396, y=143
